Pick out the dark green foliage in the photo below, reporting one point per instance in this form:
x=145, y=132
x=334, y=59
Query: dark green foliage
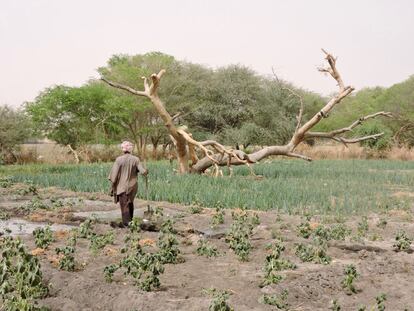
x=278, y=301
x=204, y=248
x=350, y=276
x=219, y=302
x=402, y=241
x=20, y=277
x=43, y=237
x=15, y=127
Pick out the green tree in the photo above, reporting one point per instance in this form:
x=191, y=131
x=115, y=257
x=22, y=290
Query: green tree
x=15, y=127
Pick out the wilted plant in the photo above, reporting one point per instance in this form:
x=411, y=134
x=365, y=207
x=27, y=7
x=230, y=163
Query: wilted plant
x=280, y=301
x=32, y=206
x=382, y=223
x=362, y=229
x=168, y=248
x=219, y=302
x=134, y=225
x=304, y=230
x=204, y=248
x=402, y=241
x=85, y=229
x=274, y=264
x=4, y=215
x=335, y=306
x=158, y=212
x=6, y=182
x=339, y=232
x=238, y=237
x=67, y=261
x=109, y=272
x=218, y=217
x=20, y=277
x=168, y=227
x=350, y=276
x=380, y=300
x=145, y=268
x=43, y=237
x=100, y=241
x=195, y=209
x=313, y=253
x=255, y=219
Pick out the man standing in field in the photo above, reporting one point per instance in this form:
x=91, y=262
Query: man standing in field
x=124, y=179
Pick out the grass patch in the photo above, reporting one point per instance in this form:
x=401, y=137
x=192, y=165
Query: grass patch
x=331, y=187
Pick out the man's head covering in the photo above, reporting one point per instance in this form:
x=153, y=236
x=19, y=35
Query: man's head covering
x=127, y=146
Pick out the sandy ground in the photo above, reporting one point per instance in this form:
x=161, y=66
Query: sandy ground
x=310, y=286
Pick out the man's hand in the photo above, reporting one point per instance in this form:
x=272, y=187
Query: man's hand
x=145, y=173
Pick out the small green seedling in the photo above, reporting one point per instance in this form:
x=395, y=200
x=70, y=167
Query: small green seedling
x=350, y=276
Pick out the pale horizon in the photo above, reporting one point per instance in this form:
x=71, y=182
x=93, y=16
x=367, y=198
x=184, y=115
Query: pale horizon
x=44, y=42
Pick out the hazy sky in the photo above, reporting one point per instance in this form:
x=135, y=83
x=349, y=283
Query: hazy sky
x=46, y=42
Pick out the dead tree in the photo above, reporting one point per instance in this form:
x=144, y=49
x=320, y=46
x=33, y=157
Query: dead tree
x=215, y=154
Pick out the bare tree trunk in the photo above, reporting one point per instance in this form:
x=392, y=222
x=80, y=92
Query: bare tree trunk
x=75, y=153
x=217, y=155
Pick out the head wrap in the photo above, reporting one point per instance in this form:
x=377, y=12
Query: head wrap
x=127, y=146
